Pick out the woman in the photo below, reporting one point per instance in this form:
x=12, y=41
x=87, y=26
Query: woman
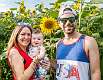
x=21, y=64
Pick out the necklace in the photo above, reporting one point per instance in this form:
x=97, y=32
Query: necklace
x=68, y=38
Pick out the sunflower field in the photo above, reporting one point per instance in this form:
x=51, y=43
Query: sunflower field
x=90, y=22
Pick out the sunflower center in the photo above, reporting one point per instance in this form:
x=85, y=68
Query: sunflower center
x=49, y=24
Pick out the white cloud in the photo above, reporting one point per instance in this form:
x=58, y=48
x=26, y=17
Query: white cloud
x=2, y=7
x=2, y=4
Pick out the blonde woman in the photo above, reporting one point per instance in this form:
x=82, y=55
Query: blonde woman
x=21, y=64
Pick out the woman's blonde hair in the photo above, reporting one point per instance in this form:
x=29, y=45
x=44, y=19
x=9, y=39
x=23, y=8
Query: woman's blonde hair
x=13, y=39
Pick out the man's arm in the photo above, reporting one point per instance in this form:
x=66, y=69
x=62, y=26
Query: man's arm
x=93, y=54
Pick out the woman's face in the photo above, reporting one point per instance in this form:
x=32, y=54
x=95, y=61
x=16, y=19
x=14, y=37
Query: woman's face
x=24, y=37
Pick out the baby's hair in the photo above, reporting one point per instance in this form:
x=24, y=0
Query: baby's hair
x=36, y=31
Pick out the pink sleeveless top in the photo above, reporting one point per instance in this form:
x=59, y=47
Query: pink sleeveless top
x=27, y=62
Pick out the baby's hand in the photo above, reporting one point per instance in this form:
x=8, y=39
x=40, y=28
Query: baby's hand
x=45, y=64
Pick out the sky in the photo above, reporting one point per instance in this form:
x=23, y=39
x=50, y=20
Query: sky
x=6, y=4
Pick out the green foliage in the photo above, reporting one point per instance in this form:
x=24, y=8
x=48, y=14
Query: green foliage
x=60, y=1
x=5, y=70
x=5, y=73
x=97, y=1
x=7, y=23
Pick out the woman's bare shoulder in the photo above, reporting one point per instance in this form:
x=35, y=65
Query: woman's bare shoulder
x=14, y=53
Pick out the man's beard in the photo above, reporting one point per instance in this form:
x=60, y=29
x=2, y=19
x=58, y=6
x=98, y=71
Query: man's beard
x=69, y=31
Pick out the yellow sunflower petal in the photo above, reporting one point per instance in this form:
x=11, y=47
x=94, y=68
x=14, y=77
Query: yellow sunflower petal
x=48, y=25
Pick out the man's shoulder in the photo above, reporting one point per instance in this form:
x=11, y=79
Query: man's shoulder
x=60, y=40
x=89, y=38
x=89, y=41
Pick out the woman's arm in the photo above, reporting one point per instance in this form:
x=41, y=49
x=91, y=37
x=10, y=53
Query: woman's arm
x=17, y=66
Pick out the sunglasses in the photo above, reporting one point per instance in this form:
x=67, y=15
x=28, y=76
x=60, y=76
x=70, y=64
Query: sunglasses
x=64, y=20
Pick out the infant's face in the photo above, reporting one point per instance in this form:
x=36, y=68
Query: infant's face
x=37, y=39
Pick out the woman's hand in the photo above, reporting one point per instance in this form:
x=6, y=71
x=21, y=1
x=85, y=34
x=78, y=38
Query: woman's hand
x=36, y=59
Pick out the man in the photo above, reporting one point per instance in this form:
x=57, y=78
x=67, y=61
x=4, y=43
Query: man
x=77, y=55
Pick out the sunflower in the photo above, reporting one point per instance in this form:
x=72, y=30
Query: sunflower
x=77, y=4
x=48, y=25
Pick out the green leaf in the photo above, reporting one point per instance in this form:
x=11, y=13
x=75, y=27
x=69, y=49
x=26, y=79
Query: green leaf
x=13, y=8
x=54, y=14
x=60, y=1
x=97, y=1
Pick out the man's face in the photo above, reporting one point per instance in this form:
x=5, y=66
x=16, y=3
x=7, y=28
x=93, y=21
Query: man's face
x=67, y=23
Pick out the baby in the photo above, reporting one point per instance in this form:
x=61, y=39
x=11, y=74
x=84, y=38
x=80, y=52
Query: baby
x=37, y=49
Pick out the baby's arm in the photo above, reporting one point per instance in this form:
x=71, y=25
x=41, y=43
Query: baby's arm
x=42, y=52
